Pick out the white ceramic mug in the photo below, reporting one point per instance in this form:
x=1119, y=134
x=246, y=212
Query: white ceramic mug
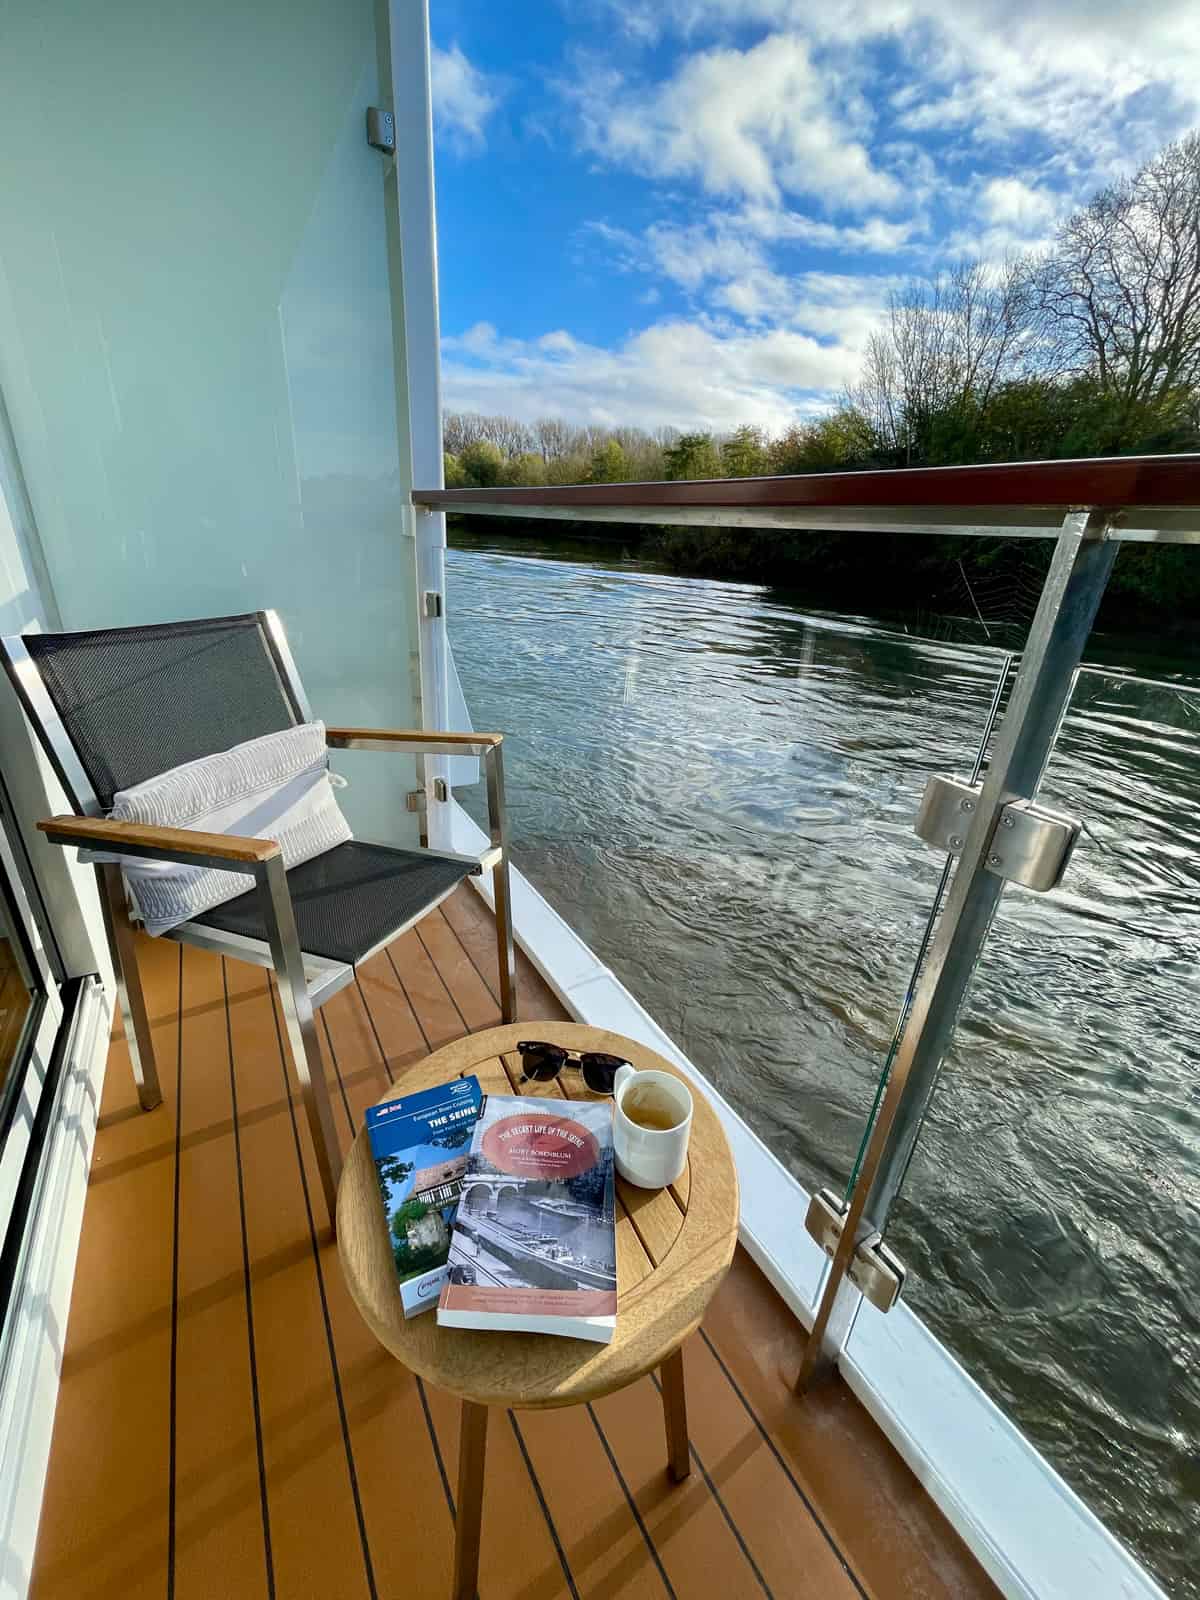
x=651, y=1158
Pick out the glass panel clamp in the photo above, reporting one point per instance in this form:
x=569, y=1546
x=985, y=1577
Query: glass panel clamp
x=1030, y=844
x=946, y=812
x=875, y=1270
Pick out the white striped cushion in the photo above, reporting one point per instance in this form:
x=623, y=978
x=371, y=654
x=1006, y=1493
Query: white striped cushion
x=276, y=787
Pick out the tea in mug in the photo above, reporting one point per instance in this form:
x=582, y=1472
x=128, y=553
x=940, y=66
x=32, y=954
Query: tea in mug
x=647, y=1106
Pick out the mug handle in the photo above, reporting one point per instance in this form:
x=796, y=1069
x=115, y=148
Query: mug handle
x=623, y=1074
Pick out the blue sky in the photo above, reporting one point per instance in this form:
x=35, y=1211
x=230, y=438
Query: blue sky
x=691, y=212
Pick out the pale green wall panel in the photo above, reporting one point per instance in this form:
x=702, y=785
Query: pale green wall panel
x=195, y=335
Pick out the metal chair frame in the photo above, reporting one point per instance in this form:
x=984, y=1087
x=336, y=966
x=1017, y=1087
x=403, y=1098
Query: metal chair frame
x=305, y=980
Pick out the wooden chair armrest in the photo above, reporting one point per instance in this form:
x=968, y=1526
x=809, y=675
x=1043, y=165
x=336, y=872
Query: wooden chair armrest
x=429, y=739
x=237, y=852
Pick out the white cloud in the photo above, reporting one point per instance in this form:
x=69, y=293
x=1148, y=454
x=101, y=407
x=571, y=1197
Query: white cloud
x=462, y=99
x=1006, y=217
x=693, y=254
x=692, y=373
x=909, y=131
x=756, y=124
x=724, y=265
x=874, y=236
x=1012, y=203
x=735, y=245
x=1102, y=81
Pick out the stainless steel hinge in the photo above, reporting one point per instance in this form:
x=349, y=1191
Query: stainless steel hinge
x=416, y=799
x=381, y=130
x=431, y=603
x=875, y=1270
x=945, y=813
x=1030, y=844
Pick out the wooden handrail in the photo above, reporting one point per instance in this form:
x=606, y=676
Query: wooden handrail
x=1102, y=482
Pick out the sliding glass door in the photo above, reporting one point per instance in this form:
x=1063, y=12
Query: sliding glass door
x=33, y=1020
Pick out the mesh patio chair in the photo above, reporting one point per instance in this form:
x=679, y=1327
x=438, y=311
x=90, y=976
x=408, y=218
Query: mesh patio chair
x=115, y=706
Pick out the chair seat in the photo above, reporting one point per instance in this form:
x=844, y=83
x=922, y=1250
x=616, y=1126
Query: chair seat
x=350, y=900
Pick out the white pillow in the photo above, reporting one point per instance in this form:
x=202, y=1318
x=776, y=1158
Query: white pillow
x=275, y=787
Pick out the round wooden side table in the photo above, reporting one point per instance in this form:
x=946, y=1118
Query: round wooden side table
x=673, y=1248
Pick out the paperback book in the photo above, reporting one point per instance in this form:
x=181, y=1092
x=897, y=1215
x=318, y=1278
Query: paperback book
x=421, y=1144
x=534, y=1246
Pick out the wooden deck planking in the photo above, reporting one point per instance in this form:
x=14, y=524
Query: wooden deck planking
x=699, y=1550
x=104, y=1527
x=834, y=1461
x=358, y=1459
x=217, y=1525
x=425, y=988
x=305, y=1458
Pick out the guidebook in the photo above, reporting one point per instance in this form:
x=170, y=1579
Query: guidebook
x=421, y=1144
x=535, y=1245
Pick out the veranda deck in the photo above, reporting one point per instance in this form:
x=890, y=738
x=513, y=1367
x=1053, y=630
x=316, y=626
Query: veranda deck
x=228, y=1427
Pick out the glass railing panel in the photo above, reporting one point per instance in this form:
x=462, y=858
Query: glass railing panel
x=716, y=786
x=1049, y=1216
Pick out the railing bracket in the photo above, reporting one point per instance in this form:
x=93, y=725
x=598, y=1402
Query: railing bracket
x=1030, y=844
x=826, y=1214
x=875, y=1270
x=947, y=808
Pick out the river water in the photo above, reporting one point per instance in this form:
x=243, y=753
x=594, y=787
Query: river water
x=717, y=787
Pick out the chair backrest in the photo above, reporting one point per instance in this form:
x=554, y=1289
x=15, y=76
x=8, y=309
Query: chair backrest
x=114, y=706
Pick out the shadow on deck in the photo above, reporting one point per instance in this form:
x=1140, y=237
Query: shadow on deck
x=227, y=1426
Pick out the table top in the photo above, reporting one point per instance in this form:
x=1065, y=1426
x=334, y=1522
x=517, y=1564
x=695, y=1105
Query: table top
x=673, y=1245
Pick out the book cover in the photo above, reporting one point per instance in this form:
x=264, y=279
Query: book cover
x=421, y=1143
x=535, y=1245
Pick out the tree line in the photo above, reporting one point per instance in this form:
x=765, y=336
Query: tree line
x=1089, y=347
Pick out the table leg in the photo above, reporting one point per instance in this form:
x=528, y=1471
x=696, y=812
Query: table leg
x=679, y=1459
x=472, y=1447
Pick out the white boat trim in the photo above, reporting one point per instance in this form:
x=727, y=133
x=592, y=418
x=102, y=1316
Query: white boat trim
x=1031, y=1532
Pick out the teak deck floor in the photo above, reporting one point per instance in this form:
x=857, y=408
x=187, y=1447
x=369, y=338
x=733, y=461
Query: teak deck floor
x=227, y=1425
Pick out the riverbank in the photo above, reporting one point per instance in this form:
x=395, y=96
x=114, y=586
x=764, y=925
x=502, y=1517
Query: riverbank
x=993, y=580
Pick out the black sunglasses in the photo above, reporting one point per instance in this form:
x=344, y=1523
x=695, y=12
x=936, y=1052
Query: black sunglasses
x=542, y=1062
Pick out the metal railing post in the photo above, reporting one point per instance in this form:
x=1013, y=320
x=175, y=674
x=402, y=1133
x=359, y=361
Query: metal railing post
x=1075, y=583
x=501, y=885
